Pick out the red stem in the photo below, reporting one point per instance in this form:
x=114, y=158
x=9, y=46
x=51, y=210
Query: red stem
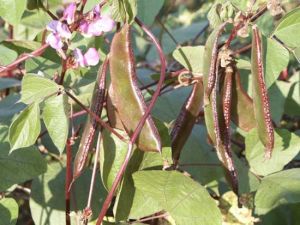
x=139, y=127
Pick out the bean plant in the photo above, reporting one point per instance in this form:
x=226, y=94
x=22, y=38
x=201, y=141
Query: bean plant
x=159, y=112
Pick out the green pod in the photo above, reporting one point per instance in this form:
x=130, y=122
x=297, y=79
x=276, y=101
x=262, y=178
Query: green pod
x=242, y=111
x=185, y=121
x=130, y=103
x=260, y=95
x=91, y=125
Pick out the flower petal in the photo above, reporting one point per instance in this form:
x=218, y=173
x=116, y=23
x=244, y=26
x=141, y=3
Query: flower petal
x=105, y=24
x=63, y=30
x=54, y=41
x=69, y=13
x=52, y=26
x=79, y=57
x=91, y=57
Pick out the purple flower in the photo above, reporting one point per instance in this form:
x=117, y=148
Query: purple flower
x=59, y=30
x=90, y=58
x=69, y=13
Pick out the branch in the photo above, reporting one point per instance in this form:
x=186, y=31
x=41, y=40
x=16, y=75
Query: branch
x=98, y=120
x=138, y=129
x=24, y=57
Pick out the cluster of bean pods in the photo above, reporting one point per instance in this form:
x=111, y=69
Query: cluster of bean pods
x=219, y=93
x=223, y=99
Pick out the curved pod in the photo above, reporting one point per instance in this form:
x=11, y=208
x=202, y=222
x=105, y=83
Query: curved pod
x=130, y=103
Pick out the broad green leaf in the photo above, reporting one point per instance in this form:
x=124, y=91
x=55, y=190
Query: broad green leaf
x=186, y=201
x=278, y=189
x=197, y=151
x=25, y=129
x=112, y=155
x=36, y=88
x=20, y=165
x=55, y=116
x=189, y=57
x=130, y=202
x=292, y=105
x=288, y=29
x=40, y=64
x=47, y=199
x=10, y=106
x=278, y=93
x=147, y=10
x=286, y=147
x=9, y=211
x=124, y=10
x=276, y=59
x=7, y=55
x=12, y=10
x=9, y=83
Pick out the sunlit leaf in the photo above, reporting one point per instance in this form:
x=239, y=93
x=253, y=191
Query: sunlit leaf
x=9, y=211
x=55, y=116
x=25, y=129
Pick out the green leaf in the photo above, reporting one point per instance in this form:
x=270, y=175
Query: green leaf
x=10, y=106
x=55, y=116
x=292, y=105
x=35, y=88
x=130, y=202
x=47, y=199
x=278, y=93
x=176, y=193
x=12, y=10
x=147, y=11
x=276, y=59
x=189, y=57
x=124, y=10
x=25, y=129
x=9, y=83
x=278, y=189
x=7, y=55
x=40, y=64
x=20, y=165
x=9, y=211
x=112, y=155
x=286, y=147
x=288, y=29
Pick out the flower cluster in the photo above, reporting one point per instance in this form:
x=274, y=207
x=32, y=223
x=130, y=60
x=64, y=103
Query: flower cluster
x=92, y=24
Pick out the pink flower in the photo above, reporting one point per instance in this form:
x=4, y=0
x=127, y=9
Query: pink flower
x=97, y=27
x=59, y=30
x=69, y=13
x=90, y=58
x=54, y=41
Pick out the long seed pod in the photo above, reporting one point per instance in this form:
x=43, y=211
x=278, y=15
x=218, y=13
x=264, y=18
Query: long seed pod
x=222, y=132
x=260, y=95
x=213, y=63
x=227, y=95
x=90, y=128
x=129, y=100
x=185, y=121
x=242, y=111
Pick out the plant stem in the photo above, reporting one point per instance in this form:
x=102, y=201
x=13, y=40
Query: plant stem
x=24, y=57
x=101, y=122
x=92, y=185
x=139, y=127
x=68, y=180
